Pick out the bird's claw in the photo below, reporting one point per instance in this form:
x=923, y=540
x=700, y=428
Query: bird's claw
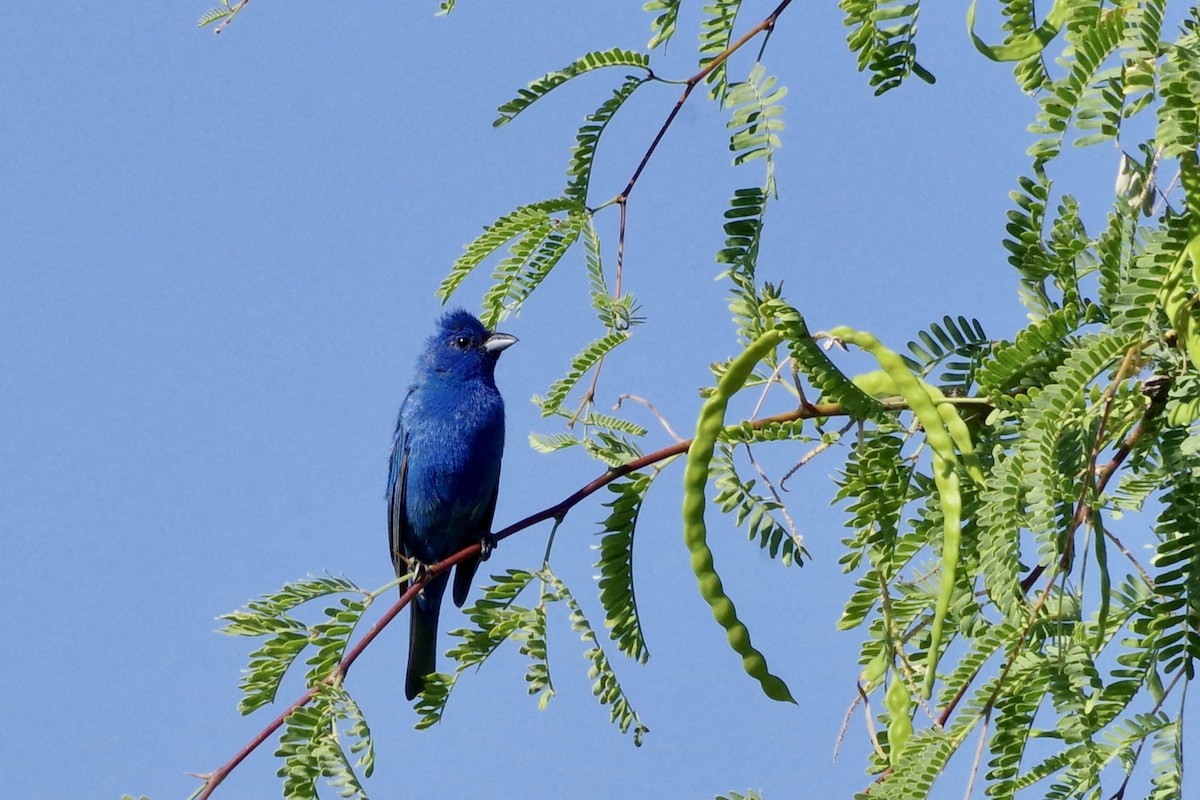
x=418, y=569
x=487, y=543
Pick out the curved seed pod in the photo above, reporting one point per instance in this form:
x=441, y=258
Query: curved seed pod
x=959, y=433
x=908, y=385
x=950, y=499
x=695, y=533
x=879, y=384
x=945, y=475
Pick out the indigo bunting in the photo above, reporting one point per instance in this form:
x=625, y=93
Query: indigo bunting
x=445, y=471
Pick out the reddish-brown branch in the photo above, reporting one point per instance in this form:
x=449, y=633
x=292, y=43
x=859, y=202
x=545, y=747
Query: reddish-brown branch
x=622, y=200
x=557, y=511
x=690, y=84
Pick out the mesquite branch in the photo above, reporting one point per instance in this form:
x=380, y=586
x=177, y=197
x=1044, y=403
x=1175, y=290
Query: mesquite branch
x=558, y=511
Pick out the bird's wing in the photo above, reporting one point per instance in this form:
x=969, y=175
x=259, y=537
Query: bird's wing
x=397, y=483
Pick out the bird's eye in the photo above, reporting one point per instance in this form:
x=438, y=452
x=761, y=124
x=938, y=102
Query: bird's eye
x=462, y=342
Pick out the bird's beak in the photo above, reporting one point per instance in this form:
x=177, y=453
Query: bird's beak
x=498, y=342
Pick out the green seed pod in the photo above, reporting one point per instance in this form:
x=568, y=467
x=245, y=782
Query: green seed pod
x=695, y=533
x=875, y=670
x=876, y=383
x=898, y=702
x=959, y=433
x=945, y=474
x=950, y=499
x=909, y=386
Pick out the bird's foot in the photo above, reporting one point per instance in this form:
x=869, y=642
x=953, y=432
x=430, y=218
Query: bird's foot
x=487, y=543
x=419, y=569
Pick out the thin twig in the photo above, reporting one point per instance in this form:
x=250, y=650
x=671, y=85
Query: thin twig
x=816, y=451
x=987, y=718
x=1158, y=398
x=622, y=199
x=662, y=420
x=233, y=12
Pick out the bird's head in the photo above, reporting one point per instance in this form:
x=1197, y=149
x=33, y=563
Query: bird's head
x=464, y=348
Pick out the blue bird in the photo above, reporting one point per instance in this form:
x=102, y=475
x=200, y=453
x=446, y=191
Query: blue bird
x=445, y=471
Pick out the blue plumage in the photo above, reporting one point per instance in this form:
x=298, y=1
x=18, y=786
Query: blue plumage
x=445, y=469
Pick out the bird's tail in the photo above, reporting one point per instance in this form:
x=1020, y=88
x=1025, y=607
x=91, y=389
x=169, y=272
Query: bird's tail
x=422, y=636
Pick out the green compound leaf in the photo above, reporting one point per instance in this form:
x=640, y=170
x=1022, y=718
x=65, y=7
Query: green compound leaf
x=758, y=514
x=493, y=618
x=615, y=565
x=215, y=15
x=663, y=25
x=530, y=260
x=883, y=35
x=286, y=637
x=755, y=122
x=961, y=339
x=583, y=154
x=810, y=359
x=598, y=59
x=520, y=222
x=716, y=34
x=587, y=358
x=606, y=688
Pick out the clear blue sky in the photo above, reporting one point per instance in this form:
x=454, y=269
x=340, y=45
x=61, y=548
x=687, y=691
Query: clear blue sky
x=219, y=258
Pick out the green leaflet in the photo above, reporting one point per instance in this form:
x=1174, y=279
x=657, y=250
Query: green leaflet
x=1177, y=561
x=605, y=688
x=287, y=637
x=1179, y=85
x=1080, y=94
x=532, y=256
x=584, y=361
x=536, y=90
x=875, y=481
x=1050, y=461
x=1030, y=359
x=615, y=313
x=918, y=764
x=758, y=514
x=216, y=14
x=1000, y=537
x=743, y=232
x=811, y=360
x=312, y=746
x=1167, y=758
x=950, y=339
x=583, y=154
x=496, y=617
